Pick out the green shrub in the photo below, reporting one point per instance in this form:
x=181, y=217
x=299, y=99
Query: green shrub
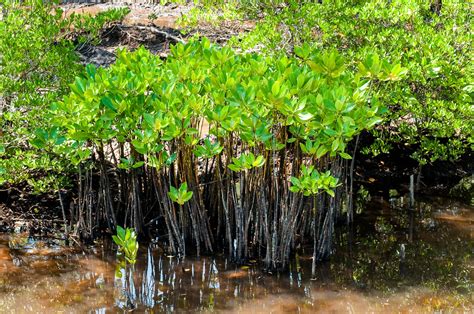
x=267, y=118
x=431, y=108
x=37, y=63
x=126, y=240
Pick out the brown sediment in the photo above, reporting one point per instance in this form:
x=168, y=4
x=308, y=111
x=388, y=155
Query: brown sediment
x=139, y=15
x=6, y=262
x=236, y=274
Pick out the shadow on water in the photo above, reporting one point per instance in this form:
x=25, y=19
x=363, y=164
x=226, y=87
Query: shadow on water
x=395, y=259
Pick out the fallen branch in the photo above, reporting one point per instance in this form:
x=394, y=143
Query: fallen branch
x=156, y=30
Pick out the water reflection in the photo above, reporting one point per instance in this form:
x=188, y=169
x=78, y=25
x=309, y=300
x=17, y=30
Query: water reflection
x=394, y=260
x=147, y=297
x=404, y=247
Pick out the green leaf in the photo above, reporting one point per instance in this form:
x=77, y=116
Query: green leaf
x=108, y=103
x=276, y=88
x=78, y=87
x=183, y=187
x=295, y=181
x=345, y=155
x=120, y=232
x=259, y=161
x=322, y=150
x=335, y=145
x=138, y=164
x=188, y=196
x=91, y=70
x=171, y=159
x=330, y=192
x=117, y=240
x=234, y=167
x=294, y=189
x=128, y=234
x=305, y=116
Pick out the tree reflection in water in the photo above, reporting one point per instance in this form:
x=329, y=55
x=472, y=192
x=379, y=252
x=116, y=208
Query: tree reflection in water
x=392, y=260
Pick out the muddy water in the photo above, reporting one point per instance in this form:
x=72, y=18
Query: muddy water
x=393, y=260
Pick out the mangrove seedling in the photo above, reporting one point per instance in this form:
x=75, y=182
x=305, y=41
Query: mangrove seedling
x=126, y=239
x=181, y=195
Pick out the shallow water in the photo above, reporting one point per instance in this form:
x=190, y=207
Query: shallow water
x=394, y=260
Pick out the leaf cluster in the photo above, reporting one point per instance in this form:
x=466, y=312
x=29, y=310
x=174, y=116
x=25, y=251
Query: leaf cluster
x=154, y=107
x=126, y=239
x=37, y=63
x=180, y=195
x=431, y=106
x=311, y=182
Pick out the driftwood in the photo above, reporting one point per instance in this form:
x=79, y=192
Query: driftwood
x=155, y=30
